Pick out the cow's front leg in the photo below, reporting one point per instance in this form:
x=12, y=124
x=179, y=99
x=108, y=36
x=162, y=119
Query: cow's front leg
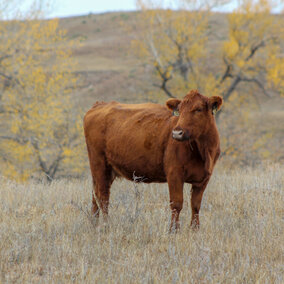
x=176, y=199
x=196, y=198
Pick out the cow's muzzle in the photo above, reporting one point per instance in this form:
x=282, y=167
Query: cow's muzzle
x=180, y=135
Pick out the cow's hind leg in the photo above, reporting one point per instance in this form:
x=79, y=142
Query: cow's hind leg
x=102, y=175
x=103, y=178
x=95, y=207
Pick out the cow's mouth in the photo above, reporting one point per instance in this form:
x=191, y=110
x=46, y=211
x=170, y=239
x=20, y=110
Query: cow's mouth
x=180, y=135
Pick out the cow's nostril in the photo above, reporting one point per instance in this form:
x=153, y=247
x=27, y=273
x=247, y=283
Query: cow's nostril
x=177, y=134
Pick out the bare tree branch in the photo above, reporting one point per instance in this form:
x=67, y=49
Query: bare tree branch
x=52, y=169
x=258, y=83
x=160, y=69
x=6, y=76
x=227, y=73
x=165, y=79
x=19, y=140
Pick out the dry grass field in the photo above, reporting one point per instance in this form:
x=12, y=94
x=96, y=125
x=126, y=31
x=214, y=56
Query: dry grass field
x=47, y=235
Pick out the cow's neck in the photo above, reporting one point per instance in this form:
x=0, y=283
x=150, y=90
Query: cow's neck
x=207, y=146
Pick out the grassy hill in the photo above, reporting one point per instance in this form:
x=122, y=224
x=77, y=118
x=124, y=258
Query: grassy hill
x=105, y=61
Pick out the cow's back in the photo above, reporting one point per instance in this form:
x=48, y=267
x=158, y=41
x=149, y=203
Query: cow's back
x=132, y=137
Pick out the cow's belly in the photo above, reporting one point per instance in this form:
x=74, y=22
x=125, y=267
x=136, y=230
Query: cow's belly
x=138, y=175
x=132, y=162
x=141, y=172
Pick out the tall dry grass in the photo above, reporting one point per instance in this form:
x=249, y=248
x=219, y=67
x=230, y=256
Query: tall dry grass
x=46, y=234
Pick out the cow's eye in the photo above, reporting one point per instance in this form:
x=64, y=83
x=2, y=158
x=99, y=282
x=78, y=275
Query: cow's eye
x=198, y=110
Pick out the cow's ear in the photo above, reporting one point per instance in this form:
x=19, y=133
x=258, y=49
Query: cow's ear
x=172, y=104
x=215, y=103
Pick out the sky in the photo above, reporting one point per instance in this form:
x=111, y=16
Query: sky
x=63, y=8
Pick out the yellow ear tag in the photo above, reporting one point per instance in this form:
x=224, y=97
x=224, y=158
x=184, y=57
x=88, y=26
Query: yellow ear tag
x=176, y=112
x=214, y=111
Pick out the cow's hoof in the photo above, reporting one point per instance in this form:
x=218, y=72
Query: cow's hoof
x=194, y=226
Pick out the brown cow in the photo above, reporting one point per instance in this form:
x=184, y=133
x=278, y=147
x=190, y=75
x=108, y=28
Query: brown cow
x=177, y=143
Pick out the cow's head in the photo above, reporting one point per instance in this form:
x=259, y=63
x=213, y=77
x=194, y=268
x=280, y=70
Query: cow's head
x=195, y=115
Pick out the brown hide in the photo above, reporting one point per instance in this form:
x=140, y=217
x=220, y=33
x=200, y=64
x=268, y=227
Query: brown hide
x=149, y=142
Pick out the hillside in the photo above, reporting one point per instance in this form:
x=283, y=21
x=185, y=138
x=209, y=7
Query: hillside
x=106, y=60
x=108, y=65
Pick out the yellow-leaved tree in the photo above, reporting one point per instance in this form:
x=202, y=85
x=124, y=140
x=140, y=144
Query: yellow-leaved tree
x=253, y=62
x=175, y=43
x=181, y=46
x=41, y=133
